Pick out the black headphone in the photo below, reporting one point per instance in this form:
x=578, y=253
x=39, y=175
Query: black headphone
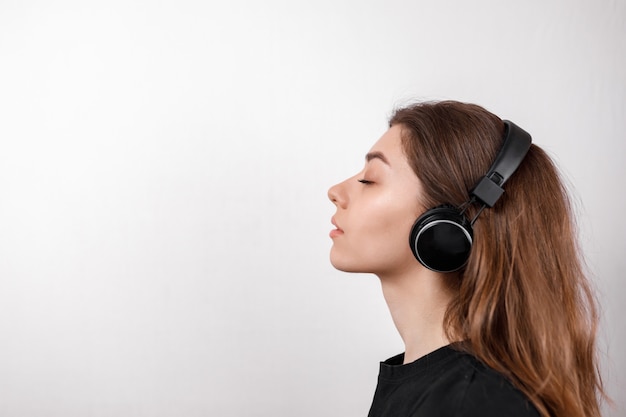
x=441, y=238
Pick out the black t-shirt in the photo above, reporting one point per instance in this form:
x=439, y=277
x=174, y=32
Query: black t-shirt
x=446, y=383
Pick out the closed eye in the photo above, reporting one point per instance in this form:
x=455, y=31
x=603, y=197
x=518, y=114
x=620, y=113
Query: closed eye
x=366, y=182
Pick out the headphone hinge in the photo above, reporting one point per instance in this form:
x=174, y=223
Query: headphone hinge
x=487, y=191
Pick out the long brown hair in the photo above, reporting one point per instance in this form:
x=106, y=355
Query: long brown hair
x=523, y=304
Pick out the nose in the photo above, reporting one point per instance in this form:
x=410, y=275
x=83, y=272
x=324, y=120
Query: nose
x=337, y=194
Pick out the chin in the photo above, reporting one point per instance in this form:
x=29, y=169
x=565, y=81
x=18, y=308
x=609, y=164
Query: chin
x=340, y=264
x=348, y=265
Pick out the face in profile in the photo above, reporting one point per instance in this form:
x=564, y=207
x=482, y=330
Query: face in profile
x=375, y=210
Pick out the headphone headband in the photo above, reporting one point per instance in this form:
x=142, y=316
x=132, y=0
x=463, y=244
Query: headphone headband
x=516, y=144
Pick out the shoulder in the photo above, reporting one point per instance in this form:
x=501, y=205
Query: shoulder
x=479, y=391
x=446, y=383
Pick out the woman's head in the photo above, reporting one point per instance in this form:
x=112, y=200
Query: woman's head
x=432, y=154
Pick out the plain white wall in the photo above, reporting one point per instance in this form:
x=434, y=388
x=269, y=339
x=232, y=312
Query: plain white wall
x=163, y=177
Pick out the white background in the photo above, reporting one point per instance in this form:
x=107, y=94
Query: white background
x=163, y=177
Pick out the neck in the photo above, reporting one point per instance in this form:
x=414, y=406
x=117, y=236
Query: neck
x=417, y=302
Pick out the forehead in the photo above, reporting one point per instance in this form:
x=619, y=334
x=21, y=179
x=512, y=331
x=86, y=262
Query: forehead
x=390, y=145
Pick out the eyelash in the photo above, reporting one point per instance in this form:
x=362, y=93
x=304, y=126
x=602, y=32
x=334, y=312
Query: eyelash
x=366, y=182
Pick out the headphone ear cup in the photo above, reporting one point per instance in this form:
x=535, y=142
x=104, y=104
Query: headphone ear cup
x=441, y=239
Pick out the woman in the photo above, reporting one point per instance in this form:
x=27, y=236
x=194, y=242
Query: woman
x=507, y=330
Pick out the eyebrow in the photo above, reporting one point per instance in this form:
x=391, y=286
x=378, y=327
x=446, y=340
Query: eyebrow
x=376, y=155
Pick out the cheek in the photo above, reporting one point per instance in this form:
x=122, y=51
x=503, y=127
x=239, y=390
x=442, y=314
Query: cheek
x=388, y=219
x=386, y=235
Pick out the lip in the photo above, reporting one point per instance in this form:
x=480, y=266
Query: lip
x=337, y=231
